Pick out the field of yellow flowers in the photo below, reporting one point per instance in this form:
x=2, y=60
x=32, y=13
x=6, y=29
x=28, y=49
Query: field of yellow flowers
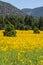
x=24, y=49
x=24, y=39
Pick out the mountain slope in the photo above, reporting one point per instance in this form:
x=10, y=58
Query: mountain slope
x=27, y=11
x=8, y=9
x=35, y=12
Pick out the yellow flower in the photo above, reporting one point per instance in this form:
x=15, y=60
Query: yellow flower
x=24, y=40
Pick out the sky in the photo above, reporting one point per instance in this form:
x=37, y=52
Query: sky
x=25, y=3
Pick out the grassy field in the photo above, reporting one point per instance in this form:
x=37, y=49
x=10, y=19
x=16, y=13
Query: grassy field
x=24, y=49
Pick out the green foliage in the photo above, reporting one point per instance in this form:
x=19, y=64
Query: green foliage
x=22, y=23
x=2, y=22
x=28, y=20
x=21, y=27
x=40, y=22
x=35, y=23
x=41, y=28
x=27, y=27
x=36, y=30
x=9, y=30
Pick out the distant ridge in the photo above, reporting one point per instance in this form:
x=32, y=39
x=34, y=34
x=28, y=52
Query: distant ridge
x=8, y=9
x=34, y=12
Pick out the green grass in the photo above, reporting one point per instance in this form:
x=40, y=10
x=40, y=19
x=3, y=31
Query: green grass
x=10, y=57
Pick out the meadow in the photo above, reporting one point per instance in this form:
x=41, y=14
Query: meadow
x=24, y=49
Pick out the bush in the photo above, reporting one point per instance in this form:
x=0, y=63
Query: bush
x=36, y=30
x=9, y=30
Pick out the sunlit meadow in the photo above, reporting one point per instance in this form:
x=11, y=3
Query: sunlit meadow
x=24, y=49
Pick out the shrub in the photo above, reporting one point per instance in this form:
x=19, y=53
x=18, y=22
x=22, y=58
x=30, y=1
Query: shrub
x=9, y=30
x=36, y=30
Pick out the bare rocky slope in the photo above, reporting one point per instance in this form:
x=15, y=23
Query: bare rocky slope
x=8, y=9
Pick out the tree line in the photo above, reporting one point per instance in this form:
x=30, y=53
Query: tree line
x=21, y=23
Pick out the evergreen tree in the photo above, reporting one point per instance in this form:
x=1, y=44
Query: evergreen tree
x=41, y=23
x=9, y=30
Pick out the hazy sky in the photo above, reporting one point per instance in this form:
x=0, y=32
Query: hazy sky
x=25, y=3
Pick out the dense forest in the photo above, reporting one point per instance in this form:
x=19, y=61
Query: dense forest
x=22, y=23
